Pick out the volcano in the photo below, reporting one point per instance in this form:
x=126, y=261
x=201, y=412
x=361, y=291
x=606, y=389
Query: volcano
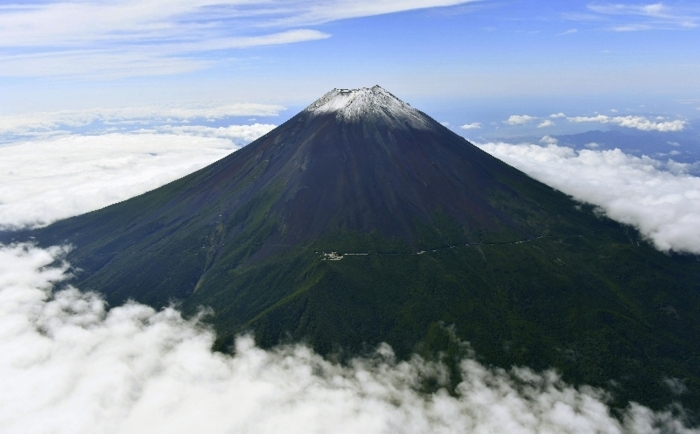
x=362, y=220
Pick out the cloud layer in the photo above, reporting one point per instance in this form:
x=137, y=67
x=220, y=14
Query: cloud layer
x=48, y=122
x=67, y=364
x=236, y=133
x=44, y=181
x=637, y=122
x=661, y=199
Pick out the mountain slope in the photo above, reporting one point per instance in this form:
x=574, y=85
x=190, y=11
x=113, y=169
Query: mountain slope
x=363, y=220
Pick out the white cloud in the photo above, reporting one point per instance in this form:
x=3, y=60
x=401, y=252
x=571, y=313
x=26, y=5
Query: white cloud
x=549, y=140
x=637, y=122
x=155, y=37
x=660, y=199
x=155, y=23
x=569, y=32
x=69, y=365
x=30, y=123
x=287, y=37
x=472, y=126
x=138, y=61
x=519, y=119
x=43, y=181
x=317, y=12
x=592, y=145
x=546, y=123
x=650, y=16
x=557, y=115
x=103, y=64
x=237, y=133
x=597, y=118
x=632, y=28
x=73, y=23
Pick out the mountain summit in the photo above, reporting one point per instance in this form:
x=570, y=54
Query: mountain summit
x=362, y=220
x=374, y=105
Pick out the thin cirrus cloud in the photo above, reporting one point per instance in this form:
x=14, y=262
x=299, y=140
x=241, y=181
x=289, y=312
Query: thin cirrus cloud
x=639, y=17
x=156, y=37
x=662, y=200
x=149, y=23
x=103, y=63
x=317, y=12
x=69, y=363
x=161, y=59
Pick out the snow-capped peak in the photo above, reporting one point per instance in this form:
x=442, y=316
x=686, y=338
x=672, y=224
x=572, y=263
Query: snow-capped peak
x=353, y=105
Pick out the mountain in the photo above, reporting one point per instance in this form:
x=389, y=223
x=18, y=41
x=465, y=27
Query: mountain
x=681, y=146
x=362, y=220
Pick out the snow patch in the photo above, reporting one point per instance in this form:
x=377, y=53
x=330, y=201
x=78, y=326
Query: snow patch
x=375, y=104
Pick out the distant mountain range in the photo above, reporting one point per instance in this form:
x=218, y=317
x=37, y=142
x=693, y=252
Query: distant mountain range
x=362, y=220
x=681, y=146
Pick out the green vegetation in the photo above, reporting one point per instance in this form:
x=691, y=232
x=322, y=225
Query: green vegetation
x=606, y=311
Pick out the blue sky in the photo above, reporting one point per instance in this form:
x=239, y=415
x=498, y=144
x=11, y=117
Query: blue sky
x=464, y=62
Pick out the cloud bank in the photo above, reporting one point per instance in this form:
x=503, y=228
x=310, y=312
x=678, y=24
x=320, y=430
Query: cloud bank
x=69, y=365
x=660, y=199
x=44, y=181
x=236, y=133
x=37, y=123
x=128, y=151
x=641, y=123
x=637, y=122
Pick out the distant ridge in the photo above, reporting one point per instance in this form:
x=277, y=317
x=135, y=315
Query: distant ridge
x=447, y=238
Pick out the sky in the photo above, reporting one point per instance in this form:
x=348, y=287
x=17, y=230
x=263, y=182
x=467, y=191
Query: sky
x=478, y=58
x=104, y=100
